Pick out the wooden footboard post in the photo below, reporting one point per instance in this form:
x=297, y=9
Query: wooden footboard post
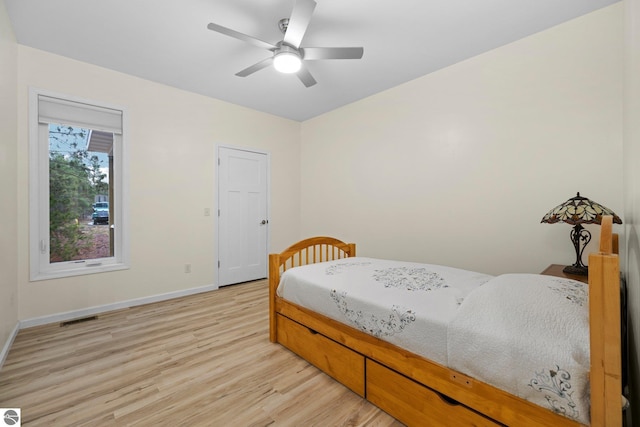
x=274, y=280
x=604, y=320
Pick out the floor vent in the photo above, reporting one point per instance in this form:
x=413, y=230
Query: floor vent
x=81, y=320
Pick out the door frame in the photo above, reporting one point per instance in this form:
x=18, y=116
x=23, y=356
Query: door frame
x=216, y=199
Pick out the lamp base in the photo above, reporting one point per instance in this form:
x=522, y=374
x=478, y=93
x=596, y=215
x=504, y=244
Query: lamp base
x=577, y=270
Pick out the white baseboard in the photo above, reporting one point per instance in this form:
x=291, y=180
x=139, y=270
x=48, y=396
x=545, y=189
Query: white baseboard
x=7, y=345
x=92, y=311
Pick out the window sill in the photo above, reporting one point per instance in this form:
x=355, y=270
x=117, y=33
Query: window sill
x=77, y=271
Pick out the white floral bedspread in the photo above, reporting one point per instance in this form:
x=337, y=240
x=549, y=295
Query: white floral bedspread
x=407, y=304
x=527, y=334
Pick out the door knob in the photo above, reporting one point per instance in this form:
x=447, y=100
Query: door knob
x=264, y=221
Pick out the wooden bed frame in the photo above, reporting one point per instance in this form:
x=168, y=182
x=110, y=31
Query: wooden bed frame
x=418, y=391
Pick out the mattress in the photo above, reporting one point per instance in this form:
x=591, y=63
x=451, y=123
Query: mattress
x=407, y=304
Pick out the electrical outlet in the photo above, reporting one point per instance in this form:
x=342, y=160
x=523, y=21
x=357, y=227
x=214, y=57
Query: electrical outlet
x=187, y=268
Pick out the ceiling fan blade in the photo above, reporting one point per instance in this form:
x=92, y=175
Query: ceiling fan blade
x=240, y=36
x=255, y=67
x=298, y=22
x=305, y=77
x=314, y=53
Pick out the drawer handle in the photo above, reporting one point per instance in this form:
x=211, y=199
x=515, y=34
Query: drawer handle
x=448, y=400
x=312, y=331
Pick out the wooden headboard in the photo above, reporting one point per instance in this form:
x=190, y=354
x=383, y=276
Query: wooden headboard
x=312, y=250
x=308, y=251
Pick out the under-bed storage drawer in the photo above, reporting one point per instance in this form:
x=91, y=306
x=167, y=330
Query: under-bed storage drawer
x=414, y=404
x=334, y=359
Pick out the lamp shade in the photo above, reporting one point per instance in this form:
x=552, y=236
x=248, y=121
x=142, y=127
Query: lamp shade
x=579, y=210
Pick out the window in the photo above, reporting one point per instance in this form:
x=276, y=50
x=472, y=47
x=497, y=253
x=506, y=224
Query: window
x=78, y=221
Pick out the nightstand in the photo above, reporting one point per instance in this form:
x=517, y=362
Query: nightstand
x=556, y=270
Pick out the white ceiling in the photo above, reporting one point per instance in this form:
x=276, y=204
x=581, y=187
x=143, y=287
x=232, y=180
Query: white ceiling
x=168, y=41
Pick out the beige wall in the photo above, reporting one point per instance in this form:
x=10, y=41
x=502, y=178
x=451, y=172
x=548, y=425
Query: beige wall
x=632, y=187
x=171, y=137
x=8, y=189
x=458, y=167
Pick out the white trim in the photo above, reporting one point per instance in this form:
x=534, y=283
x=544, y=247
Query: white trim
x=34, y=187
x=7, y=345
x=91, y=311
x=79, y=114
x=84, y=269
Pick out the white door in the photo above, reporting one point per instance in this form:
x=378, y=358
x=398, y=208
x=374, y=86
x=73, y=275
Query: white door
x=242, y=215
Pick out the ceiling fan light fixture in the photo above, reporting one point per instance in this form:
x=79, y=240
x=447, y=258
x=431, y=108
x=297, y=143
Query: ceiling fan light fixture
x=287, y=61
x=287, y=55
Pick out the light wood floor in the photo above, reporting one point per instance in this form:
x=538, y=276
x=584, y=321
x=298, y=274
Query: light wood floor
x=202, y=360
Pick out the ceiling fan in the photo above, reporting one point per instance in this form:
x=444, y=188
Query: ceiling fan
x=287, y=54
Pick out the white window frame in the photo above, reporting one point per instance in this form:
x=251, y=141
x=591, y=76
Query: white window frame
x=40, y=266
